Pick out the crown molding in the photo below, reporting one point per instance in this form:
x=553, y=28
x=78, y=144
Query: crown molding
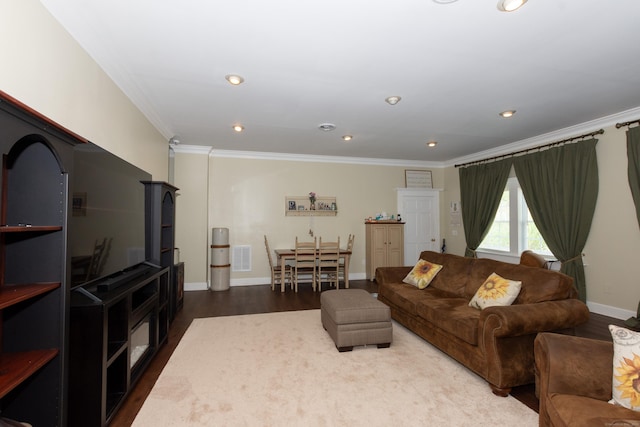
x=323, y=159
x=191, y=149
x=586, y=127
x=558, y=135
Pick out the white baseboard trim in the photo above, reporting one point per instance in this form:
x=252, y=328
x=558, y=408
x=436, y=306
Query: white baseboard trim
x=253, y=281
x=266, y=280
x=607, y=310
x=196, y=286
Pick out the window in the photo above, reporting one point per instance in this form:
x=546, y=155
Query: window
x=513, y=230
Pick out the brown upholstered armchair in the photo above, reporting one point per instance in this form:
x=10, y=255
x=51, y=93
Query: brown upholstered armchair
x=533, y=259
x=573, y=379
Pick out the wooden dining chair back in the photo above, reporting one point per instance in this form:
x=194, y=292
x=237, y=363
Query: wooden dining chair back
x=98, y=258
x=277, y=275
x=342, y=267
x=304, y=267
x=328, y=263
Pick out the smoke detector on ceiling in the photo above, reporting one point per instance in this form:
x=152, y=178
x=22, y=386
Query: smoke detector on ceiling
x=327, y=127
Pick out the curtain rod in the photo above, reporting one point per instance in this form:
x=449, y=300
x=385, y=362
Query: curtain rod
x=619, y=125
x=540, y=147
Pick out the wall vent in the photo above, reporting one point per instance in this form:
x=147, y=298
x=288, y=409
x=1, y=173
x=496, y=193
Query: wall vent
x=241, y=258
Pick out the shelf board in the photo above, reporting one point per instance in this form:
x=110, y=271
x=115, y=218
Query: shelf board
x=13, y=294
x=25, y=229
x=15, y=368
x=311, y=213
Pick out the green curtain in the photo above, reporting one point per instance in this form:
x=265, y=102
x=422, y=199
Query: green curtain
x=633, y=155
x=560, y=186
x=481, y=188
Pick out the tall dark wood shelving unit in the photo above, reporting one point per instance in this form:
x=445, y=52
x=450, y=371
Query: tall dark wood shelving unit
x=160, y=202
x=33, y=264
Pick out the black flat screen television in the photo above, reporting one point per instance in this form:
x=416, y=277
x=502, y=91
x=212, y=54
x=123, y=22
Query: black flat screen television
x=108, y=208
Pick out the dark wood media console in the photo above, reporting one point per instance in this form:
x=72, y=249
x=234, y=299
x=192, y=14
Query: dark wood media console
x=114, y=332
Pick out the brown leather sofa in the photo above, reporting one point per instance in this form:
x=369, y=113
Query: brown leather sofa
x=497, y=342
x=574, y=383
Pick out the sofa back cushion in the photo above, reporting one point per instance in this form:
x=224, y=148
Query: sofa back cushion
x=454, y=274
x=538, y=284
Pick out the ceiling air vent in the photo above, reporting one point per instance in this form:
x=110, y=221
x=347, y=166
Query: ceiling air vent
x=327, y=127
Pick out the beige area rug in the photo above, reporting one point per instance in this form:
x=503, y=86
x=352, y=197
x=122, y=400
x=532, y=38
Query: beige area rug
x=282, y=369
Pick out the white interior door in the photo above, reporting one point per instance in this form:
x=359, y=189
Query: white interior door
x=420, y=210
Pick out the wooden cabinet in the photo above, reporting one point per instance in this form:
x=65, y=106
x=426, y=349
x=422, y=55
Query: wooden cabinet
x=160, y=202
x=36, y=156
x=114, y=334
x=384, y=245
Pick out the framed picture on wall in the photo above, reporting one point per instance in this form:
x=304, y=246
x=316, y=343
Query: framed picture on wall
x=418, y=179
x=79, y=204
x=292, y=205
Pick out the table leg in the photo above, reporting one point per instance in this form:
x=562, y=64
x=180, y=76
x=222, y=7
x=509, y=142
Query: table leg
x=346, y=271
x=282, y=270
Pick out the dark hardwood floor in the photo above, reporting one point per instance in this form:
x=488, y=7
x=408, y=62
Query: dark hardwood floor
x=260, y=299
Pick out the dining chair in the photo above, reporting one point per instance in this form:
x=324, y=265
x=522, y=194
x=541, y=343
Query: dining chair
x=328, y=263
x=341, y=267
x=277, y=275
x=304, y=267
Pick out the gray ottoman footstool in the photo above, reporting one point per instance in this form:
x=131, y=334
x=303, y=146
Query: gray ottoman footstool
x=354, y=317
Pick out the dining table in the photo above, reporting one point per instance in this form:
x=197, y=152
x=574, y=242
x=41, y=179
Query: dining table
x=287, y=254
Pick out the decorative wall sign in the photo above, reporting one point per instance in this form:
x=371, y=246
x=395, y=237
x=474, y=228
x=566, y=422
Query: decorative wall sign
x=418, y=179
x=79, y=204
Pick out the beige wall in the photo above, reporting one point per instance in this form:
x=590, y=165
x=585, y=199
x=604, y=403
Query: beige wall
x=44, y=68
x=611, y=253
x=247, y=195
x=190, y=173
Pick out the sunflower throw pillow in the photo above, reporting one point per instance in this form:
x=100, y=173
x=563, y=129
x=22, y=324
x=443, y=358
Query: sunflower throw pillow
x=422, y=274
x=626, y=367
x=496, y=290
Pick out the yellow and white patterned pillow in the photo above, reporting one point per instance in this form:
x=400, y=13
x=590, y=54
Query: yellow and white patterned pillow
x=626, y=367
x=422, y=274
x=494, y=291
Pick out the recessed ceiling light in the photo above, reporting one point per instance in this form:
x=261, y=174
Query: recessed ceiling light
x=347, y=137
x=432, y=143
x=326, y=127
x=238, y=128
x=508, y=113
x=510, y=5
x=444, y=1
x=234, y=79
x=393, y=100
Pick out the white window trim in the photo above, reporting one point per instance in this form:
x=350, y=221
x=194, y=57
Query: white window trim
x=516, y=228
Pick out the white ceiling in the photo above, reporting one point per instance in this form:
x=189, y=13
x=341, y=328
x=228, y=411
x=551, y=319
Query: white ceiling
x=559, y=63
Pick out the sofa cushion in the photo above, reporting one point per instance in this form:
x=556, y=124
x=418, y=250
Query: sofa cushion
x=422, y=274
x=538, y=284
x=450, y=313
x=626, y=367
x=401, y=295
x=495, y=291
x=454, y=274
x=579, y=411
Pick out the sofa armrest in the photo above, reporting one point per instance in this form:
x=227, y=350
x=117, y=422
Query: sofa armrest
x=391, y=274
x=573, y=365
x=525, y=319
